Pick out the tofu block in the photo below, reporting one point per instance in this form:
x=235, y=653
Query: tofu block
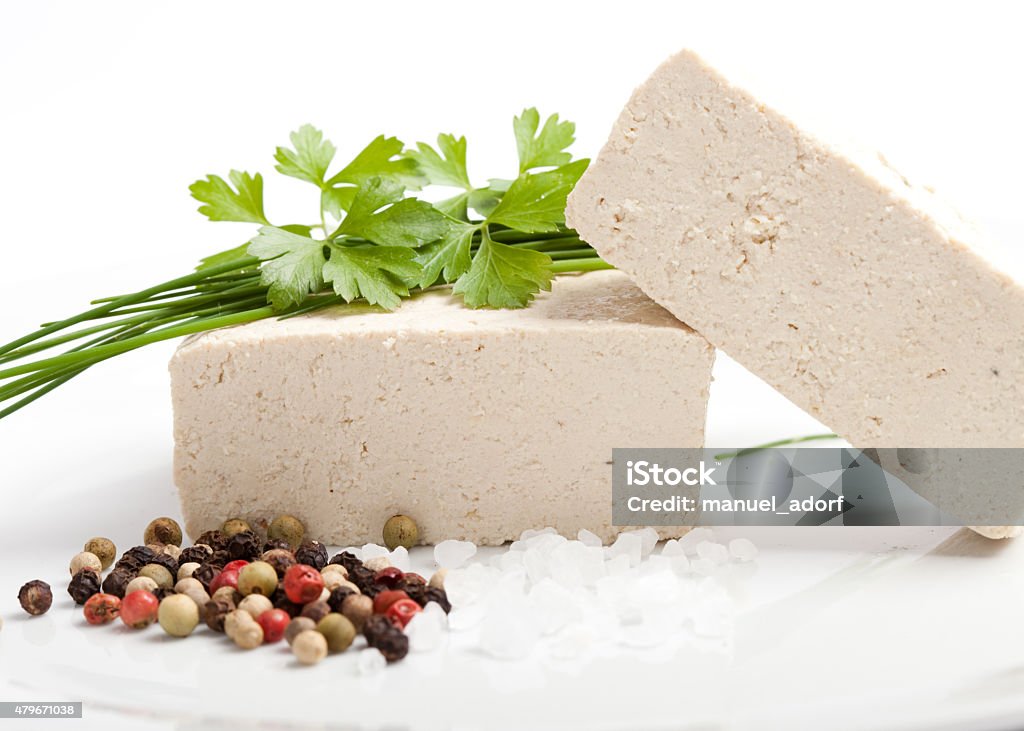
x=857, y=295
x=477, y=423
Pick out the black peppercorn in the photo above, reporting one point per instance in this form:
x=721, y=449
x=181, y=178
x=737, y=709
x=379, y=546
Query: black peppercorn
x=135, y=558
x=337, y=596
x=215, y=611
x=117, y=581
x=312, y=553
x=35, y=597
x=206, y=573
x=83, y=585
x=214, y=539
x=198, y=553
x=220, y=558
x=386, y=637
x=361, y=576
x=346, y=559
x=162, y=592
x=245, y=545
x=167, y=561
x=280, y=600
x=438, y=595
x=275, y=543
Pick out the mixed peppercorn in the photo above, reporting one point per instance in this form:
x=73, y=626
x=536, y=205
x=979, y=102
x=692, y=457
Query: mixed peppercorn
x=257, y=589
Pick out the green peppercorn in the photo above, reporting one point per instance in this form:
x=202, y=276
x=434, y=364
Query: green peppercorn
x=178, y=615
x=287, y=528
x=233, y=526
x=258, y=577
x=104, y=549
x=400, y=530
x=163, y=530
x=159, y=574
x=337, y=630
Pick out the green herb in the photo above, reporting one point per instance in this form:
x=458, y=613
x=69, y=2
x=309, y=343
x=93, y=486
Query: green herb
x=372, y=240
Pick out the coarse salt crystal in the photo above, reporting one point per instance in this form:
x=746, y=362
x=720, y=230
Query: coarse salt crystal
x=743, y=549
x=451, y=554
x=714, y=552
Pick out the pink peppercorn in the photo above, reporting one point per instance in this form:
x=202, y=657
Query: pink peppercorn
x=414, y=579
x=102, y=608
x=227, y=577
x=303, y=584
x=388, y=576
x=236, y=565
x=139, y=609
x=386, y=598
x=402, y=611
x=274, y=622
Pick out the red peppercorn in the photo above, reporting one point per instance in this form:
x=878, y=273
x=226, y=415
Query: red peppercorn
x=402, y=611
x=388, y=576
x=274, y=622
x=236, y=565
x=386, y=598
x=139, y=609
x=102, y=608
x=227, y=577
x=303, y=584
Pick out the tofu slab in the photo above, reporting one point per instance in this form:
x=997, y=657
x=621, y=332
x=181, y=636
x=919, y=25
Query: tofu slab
x=857, y=295
x=478, y=423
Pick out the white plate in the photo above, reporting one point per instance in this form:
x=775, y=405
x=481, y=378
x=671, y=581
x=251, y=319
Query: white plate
x=840, y=628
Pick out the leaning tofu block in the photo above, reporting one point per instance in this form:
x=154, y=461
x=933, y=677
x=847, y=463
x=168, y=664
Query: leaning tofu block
x=852, y=292
x=477, y=423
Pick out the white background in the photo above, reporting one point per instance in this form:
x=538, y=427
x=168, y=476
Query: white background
x=108, y=111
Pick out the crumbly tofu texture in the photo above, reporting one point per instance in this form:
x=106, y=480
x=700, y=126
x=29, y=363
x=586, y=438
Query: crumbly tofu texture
x=477, y=423
x=857, y=295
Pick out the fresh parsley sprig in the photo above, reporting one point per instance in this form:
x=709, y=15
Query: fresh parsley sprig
x=374, y=241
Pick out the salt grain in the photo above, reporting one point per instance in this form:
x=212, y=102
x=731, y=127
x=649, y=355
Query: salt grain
x=714, y=552
x=452, y=554
x=370, y=661
x=743, y=549
x=588, y=539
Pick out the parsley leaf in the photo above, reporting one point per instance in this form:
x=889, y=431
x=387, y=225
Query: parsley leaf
x=546, y=149
x=310, y=158
x=504, y=276
x=379, y=274
x=447, y=167
x=449, y=255
x=381, y=158
x=292, y=266
x=404, y=222
x=535, y=202
x=243, y=203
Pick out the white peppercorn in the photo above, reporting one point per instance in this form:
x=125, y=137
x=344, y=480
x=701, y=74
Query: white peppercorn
x=227, y=593
x=235, y=619
x=248, y=635
x=172, y=551
x=309, y=647
x=437, y=580
x=194, y=590
x=377, y=563
x=255, y=605
x=186, y=570
x=178, y=615
x=334, y=579
x=85, y=560
x=141, y=583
